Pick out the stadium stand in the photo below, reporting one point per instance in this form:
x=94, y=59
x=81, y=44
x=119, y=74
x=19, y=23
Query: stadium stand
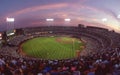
x=100, y=57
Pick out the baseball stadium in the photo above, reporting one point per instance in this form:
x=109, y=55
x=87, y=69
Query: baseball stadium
x=63, y=37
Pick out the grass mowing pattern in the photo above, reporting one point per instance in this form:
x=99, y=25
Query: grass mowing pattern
x=51, y=48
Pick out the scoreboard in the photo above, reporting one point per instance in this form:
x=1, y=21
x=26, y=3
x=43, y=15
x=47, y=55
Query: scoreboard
x=5, y=36
x=10, y=32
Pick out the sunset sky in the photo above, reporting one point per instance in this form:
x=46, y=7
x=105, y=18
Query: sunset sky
x=102, y=13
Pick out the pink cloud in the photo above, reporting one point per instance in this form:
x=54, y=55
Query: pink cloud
x=71, y=12
x=94, y=9
x=38, y=8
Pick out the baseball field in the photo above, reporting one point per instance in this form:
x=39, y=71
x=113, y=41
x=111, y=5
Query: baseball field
x=52, y=47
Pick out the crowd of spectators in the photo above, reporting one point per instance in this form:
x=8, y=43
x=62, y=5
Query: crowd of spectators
x=103, y=61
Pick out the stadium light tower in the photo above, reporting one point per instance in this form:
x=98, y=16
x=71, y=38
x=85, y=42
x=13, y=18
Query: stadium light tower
x=67, y=20
x=118, y=16
x=49, y=19
x=10, y=19
x=104, y=19
x=10, y=23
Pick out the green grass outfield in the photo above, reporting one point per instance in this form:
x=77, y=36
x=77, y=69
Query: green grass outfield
x=52, y=47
